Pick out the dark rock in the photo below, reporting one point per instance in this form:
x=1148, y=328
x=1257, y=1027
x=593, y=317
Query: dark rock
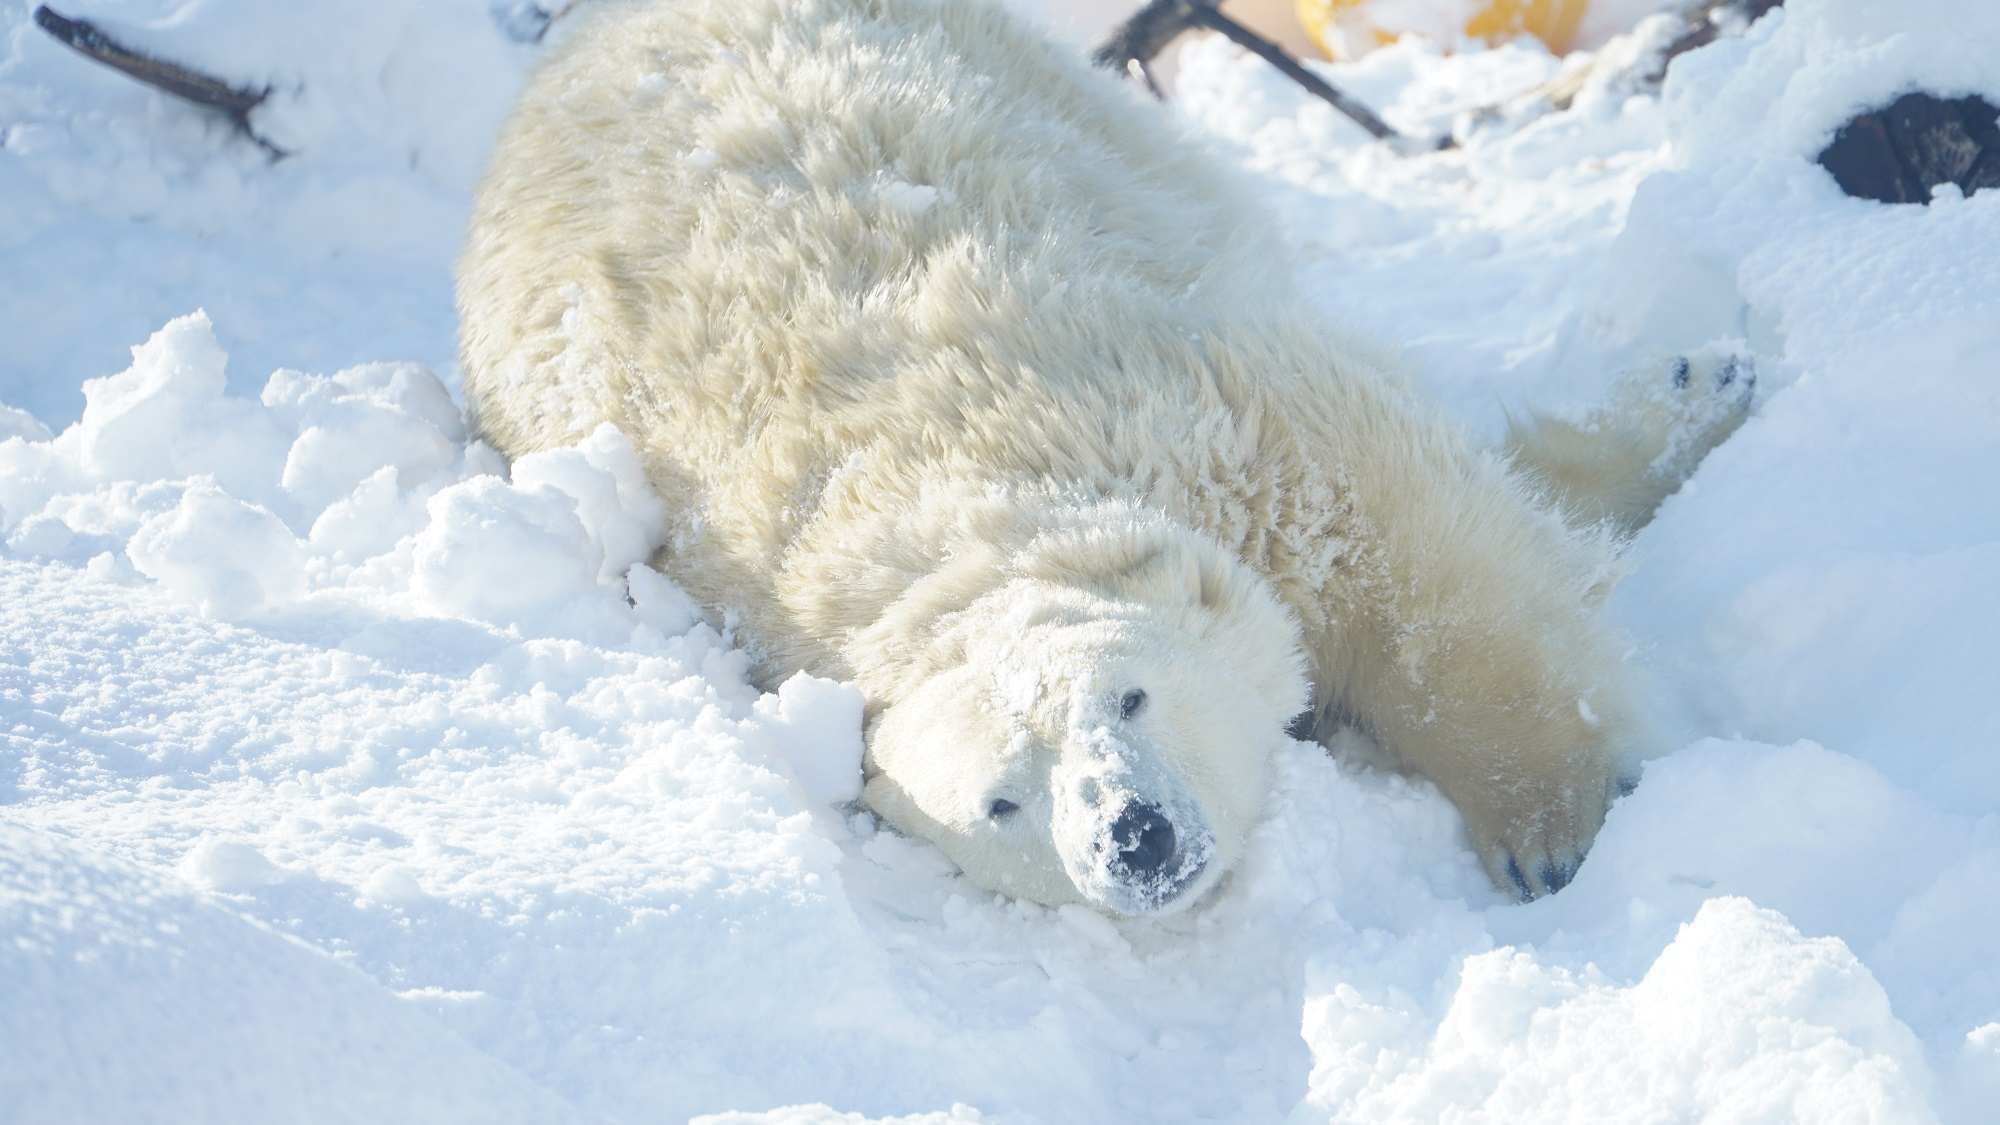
x=1920, y=141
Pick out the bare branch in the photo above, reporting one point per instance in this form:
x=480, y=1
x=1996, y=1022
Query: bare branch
x=1711, y=22
x=1152, y=27
x=233, y=102
x=1143, y=74
x=1145, y=34
x=528, y=21
x=1270, y=52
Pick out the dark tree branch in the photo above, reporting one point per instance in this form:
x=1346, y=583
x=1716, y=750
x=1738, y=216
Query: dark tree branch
x=1145, y=34
x=528, y=21
x=1708, y=24
x=1356, y=111
x=1143, y=73
x=234, y=103
x=1152, y=27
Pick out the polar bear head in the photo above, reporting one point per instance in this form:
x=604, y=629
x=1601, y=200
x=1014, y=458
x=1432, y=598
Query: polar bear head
x=1096, y=726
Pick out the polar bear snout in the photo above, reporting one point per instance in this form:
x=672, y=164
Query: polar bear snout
x=1147, y=861
x=1135, y=849
x=1144, y=838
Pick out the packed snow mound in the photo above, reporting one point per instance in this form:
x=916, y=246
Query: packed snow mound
x=346, y=771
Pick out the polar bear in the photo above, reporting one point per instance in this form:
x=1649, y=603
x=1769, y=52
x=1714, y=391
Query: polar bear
x=969, y=381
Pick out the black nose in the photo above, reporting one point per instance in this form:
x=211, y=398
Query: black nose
x=1144, y=837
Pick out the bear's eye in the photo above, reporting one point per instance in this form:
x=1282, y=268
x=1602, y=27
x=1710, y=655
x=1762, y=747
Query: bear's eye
x=1130, y=705
x=1002, y=808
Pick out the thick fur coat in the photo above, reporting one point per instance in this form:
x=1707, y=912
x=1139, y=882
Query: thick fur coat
x=968, y=380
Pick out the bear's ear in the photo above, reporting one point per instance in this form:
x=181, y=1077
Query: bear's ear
x=1204, y=577
x=1188, y=578
x=1204, y=574
x=1152, y=562
x=915, y=632
x=1159, y=564
x=1102, y=559
x=1239, y=617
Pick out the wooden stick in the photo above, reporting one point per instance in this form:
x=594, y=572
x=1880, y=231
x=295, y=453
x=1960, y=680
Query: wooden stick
x=1143, y=73
x=1358, y=112
x=1705, y=26
x=1144, y=34
x=528, y=21
x=1152, y=27
x=233, y=102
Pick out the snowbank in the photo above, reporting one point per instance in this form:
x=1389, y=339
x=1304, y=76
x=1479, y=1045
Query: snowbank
x=350, y=773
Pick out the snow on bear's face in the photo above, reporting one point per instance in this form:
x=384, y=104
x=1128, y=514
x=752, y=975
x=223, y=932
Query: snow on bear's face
x=1102, y=740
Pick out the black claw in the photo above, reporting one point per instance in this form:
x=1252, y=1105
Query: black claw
x=1556, y=876
x=1520, y=880
x=1301, y=726
x=1624, y=786
x=1682, y=372
x=1727, y=375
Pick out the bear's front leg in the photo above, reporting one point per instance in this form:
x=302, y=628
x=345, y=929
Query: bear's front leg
x=1514, y=726
x=1464, y=634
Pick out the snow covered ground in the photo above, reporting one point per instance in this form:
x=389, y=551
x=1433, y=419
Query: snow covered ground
x=341, y=781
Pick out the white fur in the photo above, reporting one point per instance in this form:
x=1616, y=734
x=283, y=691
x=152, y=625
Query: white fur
x=968, y=380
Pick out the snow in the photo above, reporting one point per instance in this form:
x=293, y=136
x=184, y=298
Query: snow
x=145, y=209
x=909, y=199
x=349, y=775
x=1807, y=1036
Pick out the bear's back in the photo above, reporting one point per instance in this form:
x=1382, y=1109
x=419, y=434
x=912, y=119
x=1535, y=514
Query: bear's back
x=757, y=235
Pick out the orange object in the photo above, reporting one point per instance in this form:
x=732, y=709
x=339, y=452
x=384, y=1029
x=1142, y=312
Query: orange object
x=1350, y=28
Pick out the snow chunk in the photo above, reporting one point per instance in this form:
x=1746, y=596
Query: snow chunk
x=910, y=199
x=615, y=502
x=166, y=416
x=30, y=473
x=18, y=423
x=351, y=423
x=229, y=865
x=230, y=558
x=503, y=555
x=393, y=883
x=546, y=553
x=659, y=603
x=369, y=520
x=815, y=730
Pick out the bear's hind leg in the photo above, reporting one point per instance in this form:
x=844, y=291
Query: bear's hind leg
x=1618, y=463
